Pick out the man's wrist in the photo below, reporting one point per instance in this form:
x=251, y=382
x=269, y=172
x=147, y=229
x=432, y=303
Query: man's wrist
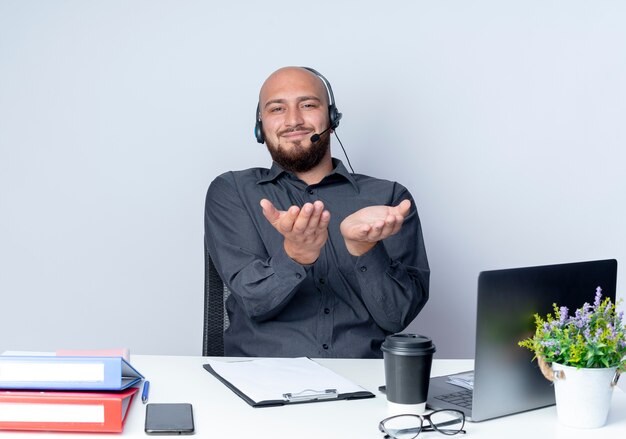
x=301, y=257
x=358, y=248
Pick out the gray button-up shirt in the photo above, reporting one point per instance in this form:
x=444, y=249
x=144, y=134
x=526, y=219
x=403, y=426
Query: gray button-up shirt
x=341, y=305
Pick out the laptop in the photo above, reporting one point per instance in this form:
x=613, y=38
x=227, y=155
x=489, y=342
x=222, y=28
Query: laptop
x=505, y=379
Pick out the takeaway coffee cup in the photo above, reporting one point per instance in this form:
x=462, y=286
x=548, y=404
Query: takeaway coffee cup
x=408, y=359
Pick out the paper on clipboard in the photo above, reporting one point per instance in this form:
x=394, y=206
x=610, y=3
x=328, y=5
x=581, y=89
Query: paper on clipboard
x=277, y=381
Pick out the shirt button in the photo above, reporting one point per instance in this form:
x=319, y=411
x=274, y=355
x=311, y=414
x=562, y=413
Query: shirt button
x=298, y=275
x=363, y=268
x=326, y=311
x=311, y=191
x=322, y=280
x=325, y=346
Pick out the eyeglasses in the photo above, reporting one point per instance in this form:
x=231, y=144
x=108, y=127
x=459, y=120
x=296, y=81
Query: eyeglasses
x=448, y=422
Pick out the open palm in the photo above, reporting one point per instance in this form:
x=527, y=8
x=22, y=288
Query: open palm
x=366, y=226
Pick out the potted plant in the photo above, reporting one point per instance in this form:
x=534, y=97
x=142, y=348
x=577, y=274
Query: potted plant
x=583, y=354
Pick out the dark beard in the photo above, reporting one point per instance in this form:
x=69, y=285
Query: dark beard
x=298, y=158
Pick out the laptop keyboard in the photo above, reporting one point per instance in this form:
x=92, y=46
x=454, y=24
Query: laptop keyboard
x=462, y=398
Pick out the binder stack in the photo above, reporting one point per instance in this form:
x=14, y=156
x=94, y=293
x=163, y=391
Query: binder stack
x=66, y=393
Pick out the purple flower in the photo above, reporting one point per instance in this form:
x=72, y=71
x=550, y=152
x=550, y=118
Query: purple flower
x=598, y=300
x=563, y=315
x=613, y=332
x=582, y=317
x=598, y=333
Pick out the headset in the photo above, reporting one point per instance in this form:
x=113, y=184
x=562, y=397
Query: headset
x=334, y=115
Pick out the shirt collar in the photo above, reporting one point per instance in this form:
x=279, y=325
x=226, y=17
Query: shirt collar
x=338, y=170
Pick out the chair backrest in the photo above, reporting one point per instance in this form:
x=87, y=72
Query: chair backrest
x=215, y=316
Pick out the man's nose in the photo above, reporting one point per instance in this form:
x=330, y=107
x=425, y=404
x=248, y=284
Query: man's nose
x=294, y=117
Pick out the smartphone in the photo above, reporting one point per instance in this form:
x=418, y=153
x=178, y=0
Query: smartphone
x=169, y=418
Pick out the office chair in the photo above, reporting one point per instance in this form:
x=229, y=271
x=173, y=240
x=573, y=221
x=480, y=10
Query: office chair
x=215, y=316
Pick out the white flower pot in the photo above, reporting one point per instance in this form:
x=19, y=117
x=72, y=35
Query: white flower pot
x=583, y=396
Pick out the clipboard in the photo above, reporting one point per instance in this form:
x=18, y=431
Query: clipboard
x=273, y=382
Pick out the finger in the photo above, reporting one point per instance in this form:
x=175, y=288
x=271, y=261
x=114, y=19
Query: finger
x=376, y=231
x=316, y=216
x=324, y=220
x=388, y=227
x=395, y=226
x=288, y=220
x=391, y=226
x=363, y=231
x=403, y=208
x=269, y=211
x=302, y=220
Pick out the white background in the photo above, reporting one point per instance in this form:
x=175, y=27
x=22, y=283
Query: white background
x=506, y=120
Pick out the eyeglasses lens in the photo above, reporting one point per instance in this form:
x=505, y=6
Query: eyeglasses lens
x=447, y=421
x=403, y=426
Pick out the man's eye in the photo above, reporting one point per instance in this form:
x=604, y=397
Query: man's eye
x=276, y=109
x=309, y=105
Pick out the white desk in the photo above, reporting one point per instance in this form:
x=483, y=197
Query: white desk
x=219, y=413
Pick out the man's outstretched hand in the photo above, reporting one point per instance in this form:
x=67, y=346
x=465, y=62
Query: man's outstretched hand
x=305, y=229
x=365, y=227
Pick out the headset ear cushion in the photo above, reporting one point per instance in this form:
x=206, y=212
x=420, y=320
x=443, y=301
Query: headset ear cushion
x=334, y=115
x=258, y=126
x=258, y=132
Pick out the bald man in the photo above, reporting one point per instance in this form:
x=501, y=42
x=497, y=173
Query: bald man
x=320, y=262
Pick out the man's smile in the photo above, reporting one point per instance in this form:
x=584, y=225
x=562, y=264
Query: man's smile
x=296, y=135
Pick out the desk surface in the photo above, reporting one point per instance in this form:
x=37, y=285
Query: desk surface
x=219, y=413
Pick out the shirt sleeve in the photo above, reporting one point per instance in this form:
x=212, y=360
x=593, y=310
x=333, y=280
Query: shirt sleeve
x=394, y=275
x=261, y=282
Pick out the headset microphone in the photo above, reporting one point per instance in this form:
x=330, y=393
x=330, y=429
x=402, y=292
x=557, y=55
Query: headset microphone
x=316, y=137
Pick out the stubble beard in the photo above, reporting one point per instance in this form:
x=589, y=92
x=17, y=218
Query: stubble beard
x=298, y=158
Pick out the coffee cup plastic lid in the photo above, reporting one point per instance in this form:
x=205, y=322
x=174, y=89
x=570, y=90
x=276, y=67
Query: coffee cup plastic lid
x=408, y=344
